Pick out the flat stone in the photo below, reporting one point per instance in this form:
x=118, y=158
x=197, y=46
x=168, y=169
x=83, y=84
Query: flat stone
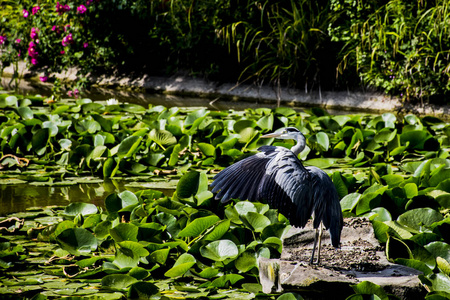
x=360, y=258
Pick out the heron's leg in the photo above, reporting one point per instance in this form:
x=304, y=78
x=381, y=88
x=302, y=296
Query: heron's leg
x=314, y=247
x=320, y=242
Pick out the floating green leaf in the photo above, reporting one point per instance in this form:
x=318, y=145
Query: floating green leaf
x=181, y=266
x=219, y=250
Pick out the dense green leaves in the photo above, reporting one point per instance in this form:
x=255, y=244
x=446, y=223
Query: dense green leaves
x=399, y=181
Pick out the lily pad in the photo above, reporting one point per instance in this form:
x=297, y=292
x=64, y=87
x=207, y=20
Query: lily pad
x=220, y=250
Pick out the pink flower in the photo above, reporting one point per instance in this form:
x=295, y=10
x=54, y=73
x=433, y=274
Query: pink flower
x=60, y=9
x=85, y=45
x=43, y=78
x=18, y=41
x=25, y=13
x=35, y=9
x=34, y=61
x=66, y=27
x=62, y=52
x=81, y=9
x=32, y=52
x=2, y=39
x=34, y=33
x=69, y=93
x=67, y=40
x=89, y=2
x=20, y=52
x=56, y=28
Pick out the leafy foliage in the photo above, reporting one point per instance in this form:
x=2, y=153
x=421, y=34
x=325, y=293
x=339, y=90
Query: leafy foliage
x=401, y=48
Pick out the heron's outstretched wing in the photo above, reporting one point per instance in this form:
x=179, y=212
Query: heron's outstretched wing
x=327, y=207
x=274, y=175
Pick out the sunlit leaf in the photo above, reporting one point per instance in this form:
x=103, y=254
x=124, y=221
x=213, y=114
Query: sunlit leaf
x=197, y=226
x=181, y=266
x=219, y=250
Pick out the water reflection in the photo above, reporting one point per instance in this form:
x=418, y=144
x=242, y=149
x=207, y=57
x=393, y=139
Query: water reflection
x=19, y=197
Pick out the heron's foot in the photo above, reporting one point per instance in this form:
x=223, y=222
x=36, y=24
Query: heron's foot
x=314, y=262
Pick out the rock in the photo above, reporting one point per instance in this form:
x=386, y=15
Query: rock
x=360, y=258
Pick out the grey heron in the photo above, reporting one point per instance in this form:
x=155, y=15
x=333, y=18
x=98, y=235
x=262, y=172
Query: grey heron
x=275, y=175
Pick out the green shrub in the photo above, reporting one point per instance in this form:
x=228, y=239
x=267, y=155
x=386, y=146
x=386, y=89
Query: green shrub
x=397, y=46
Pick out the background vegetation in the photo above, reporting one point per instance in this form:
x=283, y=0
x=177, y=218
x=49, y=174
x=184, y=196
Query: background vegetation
x=398, y=47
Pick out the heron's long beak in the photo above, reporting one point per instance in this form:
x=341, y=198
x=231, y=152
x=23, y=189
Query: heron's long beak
x=271, y=135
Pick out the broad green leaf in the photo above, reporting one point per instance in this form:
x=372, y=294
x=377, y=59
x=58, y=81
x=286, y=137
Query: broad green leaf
x=322, y=163
x=246, y=261
x=116, y=202
x=129, y=253
x=385, y=135
x=243, y=207
x=290, y=296
x=124, y=232
x=207, y=149
x=197, y=226
x=129, y=146
x=219, y=250
x=415, y=264
x=369, y=288
x=393, y=180
x=10, y=101
x=25, y=112
x=399, y=229
x=208, y=273
x=78, y=241
x=443, y=265
x=439, y=249
x=188, y=184
x=223, y=281
x=338, y=182
x=118, y=282
x=438, y=282
x=266, y=122
x=39, y=140
x=380, y=214
x=349, y=202
x=418, y=219
x=142, y=290
x=159, y=256
x=162, y=137
x=255, y=221
x=219, y=230
x=76, y=208
x=322, y=140
x=181, y=266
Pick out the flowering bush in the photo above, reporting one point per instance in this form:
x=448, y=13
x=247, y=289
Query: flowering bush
x=51, y=37
x=155, y=37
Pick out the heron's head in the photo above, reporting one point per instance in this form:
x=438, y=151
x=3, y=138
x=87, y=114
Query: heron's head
x=286, y=133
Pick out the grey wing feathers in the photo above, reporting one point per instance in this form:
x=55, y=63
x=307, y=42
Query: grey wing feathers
x=275, y=175
x=327, y=208
x=241, y=179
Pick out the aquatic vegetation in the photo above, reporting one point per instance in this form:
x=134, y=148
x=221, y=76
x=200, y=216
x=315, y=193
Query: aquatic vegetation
x=392, y=169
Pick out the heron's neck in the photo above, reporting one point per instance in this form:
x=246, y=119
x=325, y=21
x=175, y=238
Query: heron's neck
x=301, y=143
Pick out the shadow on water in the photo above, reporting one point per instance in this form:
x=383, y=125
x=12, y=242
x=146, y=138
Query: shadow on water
x=144, y=98
x=20, y=197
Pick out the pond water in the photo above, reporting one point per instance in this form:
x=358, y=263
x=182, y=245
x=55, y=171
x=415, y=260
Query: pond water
x=20, y=197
